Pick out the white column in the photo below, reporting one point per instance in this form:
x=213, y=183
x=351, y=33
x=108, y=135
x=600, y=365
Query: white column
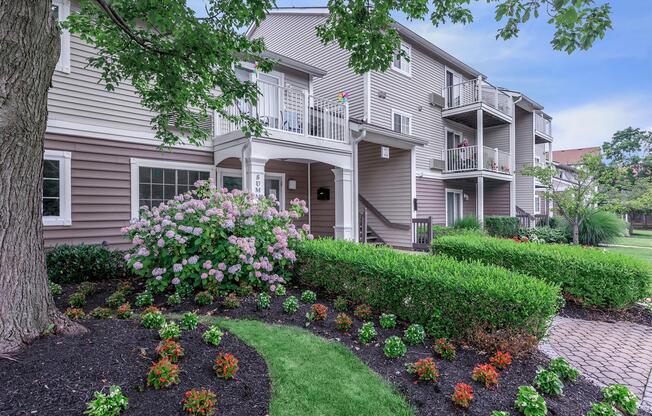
x=480, y=139
x=480, y=199
x=343, y=204
x=512, y=162
x=254, y=175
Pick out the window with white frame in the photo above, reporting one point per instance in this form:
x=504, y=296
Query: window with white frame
x=56, y=188
x=537, y=204
x=401, y=63
x=157, y=181
x=274, y=183
x=61, y=11
x=401, y=122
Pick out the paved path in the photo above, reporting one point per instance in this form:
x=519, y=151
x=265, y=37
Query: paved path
x=606, y=353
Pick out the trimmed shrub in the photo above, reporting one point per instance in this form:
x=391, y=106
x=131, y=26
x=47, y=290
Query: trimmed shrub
x=545, y=235
x=447, y=297
x=78, y=263
x=600, y=227
x=505, y=227
x=467, y=223
x=591, y=276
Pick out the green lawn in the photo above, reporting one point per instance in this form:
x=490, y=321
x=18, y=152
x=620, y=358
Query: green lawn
x=313, y=376
x=641, y=253
x=641, y=238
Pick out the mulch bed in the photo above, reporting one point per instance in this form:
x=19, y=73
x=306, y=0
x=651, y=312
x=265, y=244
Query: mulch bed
x=636, y=314
x=428, y=399
x=57, y=375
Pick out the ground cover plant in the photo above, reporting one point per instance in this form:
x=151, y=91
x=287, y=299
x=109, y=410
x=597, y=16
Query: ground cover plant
x=424, y=369
x=530, y=403
x=200, y=402
x=226, y=366
x=110, y=404
x=387, y=320
x=590, y=276
x=444, y=349
x=447, y=297
x=394, y=347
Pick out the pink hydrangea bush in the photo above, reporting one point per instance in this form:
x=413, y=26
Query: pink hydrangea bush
x=212, y=234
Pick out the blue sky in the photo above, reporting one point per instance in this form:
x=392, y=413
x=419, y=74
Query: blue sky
x=589, y=94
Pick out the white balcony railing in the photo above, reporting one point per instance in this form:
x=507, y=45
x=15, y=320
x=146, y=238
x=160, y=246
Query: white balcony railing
x=465, y=158
x=295, y=111
x=477, y=91
x=543, y=125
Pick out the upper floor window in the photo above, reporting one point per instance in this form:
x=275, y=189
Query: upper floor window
x=401, y=122
x=401, y=63
x=537, y=204
x=61, y=11
x=56, y=188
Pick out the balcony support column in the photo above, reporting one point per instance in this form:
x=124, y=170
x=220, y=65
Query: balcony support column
x=344, y=204
x=479, y=134
x=253, y=173
x=512, y=161
x=480, y=200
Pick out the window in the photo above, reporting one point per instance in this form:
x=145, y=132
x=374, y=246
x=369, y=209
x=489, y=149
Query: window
x=537, y=204
x=61, y=11
x=401, y=63
x=156, y=181
x=56, y=188
x=454, y=206
x=401, y=122
x=453, y=84
x=274, y=183
x=453, y=139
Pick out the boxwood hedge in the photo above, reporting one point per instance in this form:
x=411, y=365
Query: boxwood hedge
x=590, y=276
x=449, y=297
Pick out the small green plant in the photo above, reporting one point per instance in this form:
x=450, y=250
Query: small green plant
x=367, y=333
x=394, y=347
x=343, y=322
x=87, y=288
x=169, y=330
x=213, y=335
x=107, y=404
x=100, y=313
x=77, y=263
x=317, y=312
x=124, y=311
x=529, y=402
x=189, y=321
x=75, y=313
x=263, y=301
x=152, y=320
x=467, y=223
x=424, y=369
x=485, y=374
x=290, y=305
x=280, y=290
x=621, y=398
x=77, y=300
x=341, y=304
x=462, y=395
x=548, y=382
x=564, y=370
x=387, y=320
x=244, y=290
x=231, y=301
x=203, y=298
x=308, y=296
x=226, y=366
x=125, y=287
x=415, y=334
x=163, y=373
x=144, y=298
x=603, y=409
x=363, y=312
x=116, y=299
x=55, y=288
x=199, y=402
x=499, y=413
x=445, y=349
x=170, y=349
x=174, y=299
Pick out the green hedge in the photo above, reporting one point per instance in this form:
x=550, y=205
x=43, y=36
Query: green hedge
x=448, y=297
x=78, y=263
x=501, y=226
x=590, y=276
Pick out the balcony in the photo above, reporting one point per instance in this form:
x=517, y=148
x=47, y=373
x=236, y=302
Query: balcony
x=465, y=159
x=292, y=111
x=461, y=101
x=543, y=127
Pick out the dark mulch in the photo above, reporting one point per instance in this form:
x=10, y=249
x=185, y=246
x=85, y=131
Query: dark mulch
x=636, y=314
x=57, y=375
x=426, y=398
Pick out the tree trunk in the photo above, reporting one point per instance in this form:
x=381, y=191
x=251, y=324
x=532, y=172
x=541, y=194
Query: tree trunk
x=576, y=232
x=29, y=50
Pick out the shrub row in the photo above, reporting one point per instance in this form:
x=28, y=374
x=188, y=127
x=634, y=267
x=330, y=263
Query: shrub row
x=450, y=298
x=78, y=263
x=590, y=276
x=497, y=226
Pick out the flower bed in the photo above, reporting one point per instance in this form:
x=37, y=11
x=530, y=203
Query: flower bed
x=590, y=276
x=448, y=297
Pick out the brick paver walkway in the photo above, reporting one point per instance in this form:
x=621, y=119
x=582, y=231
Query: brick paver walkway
x=606, y=353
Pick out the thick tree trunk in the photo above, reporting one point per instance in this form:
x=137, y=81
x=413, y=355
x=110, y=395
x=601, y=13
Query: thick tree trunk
x=576, y=232
x=29, y=49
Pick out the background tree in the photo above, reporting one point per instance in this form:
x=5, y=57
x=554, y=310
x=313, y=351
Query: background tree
x=181, y=66
x=572, y=201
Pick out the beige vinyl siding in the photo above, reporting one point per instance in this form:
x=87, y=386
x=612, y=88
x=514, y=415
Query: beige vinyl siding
x=101, y=186
x=496, y=198
x=295, y=79
x=386, y=184
x=497, y=137
x=431, y=200
x=294, y=36
x=524, y=155
x=322, y=212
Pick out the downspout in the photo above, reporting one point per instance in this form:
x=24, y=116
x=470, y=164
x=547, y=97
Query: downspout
x=356, y=203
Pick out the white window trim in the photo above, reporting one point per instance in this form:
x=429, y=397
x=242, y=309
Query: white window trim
x=65, y=189
x=458, y=132
x=537, y=204
x=403, y=114
x=163, y=164
x=453, y=191
x=408, y=71
x=222, y=172
x=63, y=64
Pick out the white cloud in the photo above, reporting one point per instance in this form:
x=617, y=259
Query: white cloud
x=593, y=123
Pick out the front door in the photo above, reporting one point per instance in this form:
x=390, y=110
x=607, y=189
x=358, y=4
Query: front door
x=453, y=206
